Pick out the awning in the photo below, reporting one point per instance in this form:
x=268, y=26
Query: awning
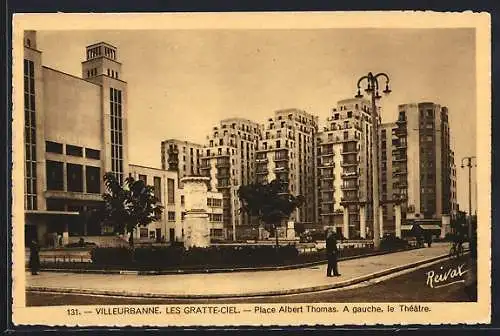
x=51, y=213
x=430, y=226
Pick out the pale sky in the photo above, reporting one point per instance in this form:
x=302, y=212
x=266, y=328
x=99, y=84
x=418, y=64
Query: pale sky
x=182, y=82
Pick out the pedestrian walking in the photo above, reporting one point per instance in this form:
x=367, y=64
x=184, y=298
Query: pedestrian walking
x=332, y=254
x=34, y=262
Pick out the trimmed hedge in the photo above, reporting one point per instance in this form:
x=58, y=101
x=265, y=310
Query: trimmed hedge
x=174, y=257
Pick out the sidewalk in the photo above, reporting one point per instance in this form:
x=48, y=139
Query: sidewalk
x=241, y=284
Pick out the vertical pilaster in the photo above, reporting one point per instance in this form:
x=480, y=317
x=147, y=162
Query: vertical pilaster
x=397, y=215
x=345, y=230
x=362, y=221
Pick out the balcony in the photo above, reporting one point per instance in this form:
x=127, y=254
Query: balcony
x=349, y=163
x=262, y=171
x=401, y=121
x=349, y=200
x=222, y=164
x=261, y=160
x=328, y=201
x=222, y=175
x=327, y=187
x=399, y=172
x=223, y=185
x=350, y=175
x=281, y=169
x=281, y=158
x=399, y=158
x=400, y=131
x=327, y=164
x=349, y=151
x=327, y=153
x=349, y=187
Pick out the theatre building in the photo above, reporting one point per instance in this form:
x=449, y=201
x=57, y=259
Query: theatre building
x=75, y=130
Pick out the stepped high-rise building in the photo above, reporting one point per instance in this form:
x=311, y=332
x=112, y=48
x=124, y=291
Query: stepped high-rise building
x=181, y=156
x=424, y=172
x=229, y=161
x=344, y=169
x=286, y=152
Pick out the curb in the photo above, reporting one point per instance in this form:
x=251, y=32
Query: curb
x=343, y=284
x=215, y=270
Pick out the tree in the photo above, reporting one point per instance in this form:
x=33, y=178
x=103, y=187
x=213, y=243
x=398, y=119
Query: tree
x=270, y=202
x=130, y=205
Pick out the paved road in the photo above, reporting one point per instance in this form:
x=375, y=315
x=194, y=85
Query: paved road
x=409, y=287
x=241, y=283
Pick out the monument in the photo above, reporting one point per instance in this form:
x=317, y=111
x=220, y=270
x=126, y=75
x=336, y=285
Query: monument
x=196, y=225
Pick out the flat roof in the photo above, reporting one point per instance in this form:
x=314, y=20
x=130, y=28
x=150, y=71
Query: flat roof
x=102, y=42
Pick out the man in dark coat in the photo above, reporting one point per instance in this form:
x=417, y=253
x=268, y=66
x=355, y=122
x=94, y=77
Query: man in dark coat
x=34, y=263
x=332, y=253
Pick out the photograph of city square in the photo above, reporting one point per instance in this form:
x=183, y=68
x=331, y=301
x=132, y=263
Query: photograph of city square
x=250, y=166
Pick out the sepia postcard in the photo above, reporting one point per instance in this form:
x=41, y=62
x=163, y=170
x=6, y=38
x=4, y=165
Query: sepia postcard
x=251, y=169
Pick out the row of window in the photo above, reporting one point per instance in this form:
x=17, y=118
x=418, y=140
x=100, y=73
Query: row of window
x=214, y=202
x=56, y=147
x=30, y=198
x=74, y=177
x=115, y=103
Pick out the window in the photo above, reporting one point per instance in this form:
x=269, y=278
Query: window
x=55, y=175
x=92, y=175
x=182, y=199
x=74, y=150
x=53, y=147
x=143, y=232
x=346, y=135
x=157, y=186
x=336, y=116
x=349, y=114
x=171, y=191
x=92, y=153
x=143, y=178
x=74, y=177
x=171, y=216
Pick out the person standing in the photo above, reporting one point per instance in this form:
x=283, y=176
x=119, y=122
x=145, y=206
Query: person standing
x=332, y=254
x=34, y=262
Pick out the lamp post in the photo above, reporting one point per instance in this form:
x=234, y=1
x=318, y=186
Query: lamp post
x=372, y=89
x=468, y=164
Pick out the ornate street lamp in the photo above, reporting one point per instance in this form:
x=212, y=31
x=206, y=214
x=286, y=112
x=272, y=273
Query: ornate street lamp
x=372, y=88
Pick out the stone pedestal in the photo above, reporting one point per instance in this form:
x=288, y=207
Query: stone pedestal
x=362, y=221
x=345, y=230
x=290, y=230
x=196, y=224
x=445, y=225
x=397, y=219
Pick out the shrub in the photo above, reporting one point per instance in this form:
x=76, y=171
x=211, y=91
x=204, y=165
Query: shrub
x=176, y=257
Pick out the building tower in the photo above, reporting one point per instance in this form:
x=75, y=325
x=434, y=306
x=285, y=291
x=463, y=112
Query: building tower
x=102, y=67
x=229, y=162
x=388, y=146
x=181, y=156
x=426, y=163
x=286, y=152
x=344, y=169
